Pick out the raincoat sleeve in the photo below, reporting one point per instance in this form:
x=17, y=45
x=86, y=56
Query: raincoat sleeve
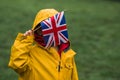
x=19, y=58
x=74, y=74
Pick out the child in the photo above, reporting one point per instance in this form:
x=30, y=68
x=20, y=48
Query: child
x=32, y=59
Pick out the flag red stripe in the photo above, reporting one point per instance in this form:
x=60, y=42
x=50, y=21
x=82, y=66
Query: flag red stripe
x=63, y=37
x=58, y=17
x=47, y=23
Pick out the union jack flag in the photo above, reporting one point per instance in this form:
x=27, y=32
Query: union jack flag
x=54, y=30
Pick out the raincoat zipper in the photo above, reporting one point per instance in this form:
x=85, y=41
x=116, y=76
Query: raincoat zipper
x=59, y=66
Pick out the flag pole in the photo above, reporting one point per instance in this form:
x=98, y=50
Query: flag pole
x=36, y=29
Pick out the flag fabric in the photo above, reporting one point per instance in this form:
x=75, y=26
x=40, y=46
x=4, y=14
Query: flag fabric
x=54, y=30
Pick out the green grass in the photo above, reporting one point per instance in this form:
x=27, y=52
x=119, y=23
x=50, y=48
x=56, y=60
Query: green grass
x=94, y=31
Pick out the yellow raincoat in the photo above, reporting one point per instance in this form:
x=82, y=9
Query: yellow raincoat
x=34, y=62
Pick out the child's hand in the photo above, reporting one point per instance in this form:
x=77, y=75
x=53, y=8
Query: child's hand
x=28, y=33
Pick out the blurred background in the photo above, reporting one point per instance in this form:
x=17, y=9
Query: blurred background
x=94, y=31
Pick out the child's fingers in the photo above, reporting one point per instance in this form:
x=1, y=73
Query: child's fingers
x=28, y=33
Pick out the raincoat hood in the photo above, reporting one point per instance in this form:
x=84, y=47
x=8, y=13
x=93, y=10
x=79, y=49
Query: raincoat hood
x=42, y=15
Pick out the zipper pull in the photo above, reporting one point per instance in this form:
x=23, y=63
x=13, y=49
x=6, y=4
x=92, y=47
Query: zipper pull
x=59, y=66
